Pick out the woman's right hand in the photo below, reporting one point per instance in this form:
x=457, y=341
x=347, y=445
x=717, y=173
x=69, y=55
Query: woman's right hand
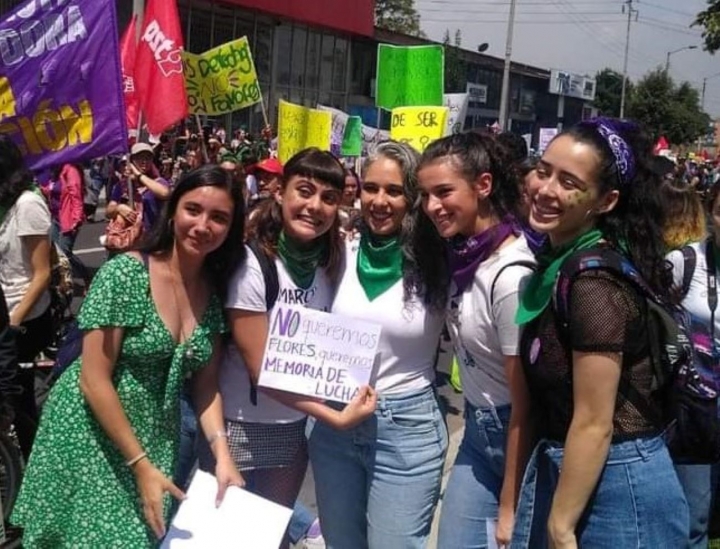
x=152, y=485
x=127, y=213
x=361, y=407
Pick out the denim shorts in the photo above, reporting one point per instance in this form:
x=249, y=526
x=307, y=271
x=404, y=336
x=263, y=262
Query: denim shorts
x=638, y=500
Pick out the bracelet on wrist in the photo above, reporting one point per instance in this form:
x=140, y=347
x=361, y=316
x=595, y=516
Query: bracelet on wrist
x=136, y=459
x=215, y=437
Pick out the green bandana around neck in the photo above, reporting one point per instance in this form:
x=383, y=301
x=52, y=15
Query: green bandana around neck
x=379, y=263
x=300, y=261
x=538, y=292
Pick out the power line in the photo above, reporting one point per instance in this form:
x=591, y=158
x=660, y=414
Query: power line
x=533, y=22
x=659, y=7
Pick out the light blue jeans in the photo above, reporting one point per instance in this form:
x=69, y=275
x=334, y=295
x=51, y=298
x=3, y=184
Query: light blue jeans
x=638, y=500
x=472, y=495
x=377, y=484
x=696, y=482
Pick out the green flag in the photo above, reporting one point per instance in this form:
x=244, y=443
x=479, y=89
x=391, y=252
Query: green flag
x=353, y=137
x=410, y=76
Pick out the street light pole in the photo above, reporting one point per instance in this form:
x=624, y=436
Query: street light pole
x=506, y=69
x=667, y=58
x=630, y=11
x=702, y=95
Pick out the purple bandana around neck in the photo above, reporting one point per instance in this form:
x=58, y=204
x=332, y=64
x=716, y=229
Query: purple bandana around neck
x=465, y=255
x=609, y=129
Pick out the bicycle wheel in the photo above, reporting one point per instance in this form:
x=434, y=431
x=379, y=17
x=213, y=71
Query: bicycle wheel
x=11, y=469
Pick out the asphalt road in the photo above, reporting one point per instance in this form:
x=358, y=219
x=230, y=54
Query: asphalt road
x=93, y=255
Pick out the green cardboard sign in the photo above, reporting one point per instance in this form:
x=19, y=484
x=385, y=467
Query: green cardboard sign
x=353, y=137
x=409, y=76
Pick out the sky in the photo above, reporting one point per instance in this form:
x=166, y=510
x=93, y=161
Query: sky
x=584, y=36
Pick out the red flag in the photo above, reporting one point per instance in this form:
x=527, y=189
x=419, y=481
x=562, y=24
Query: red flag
x=661, y=145
x=158, y=67
x=128, y=50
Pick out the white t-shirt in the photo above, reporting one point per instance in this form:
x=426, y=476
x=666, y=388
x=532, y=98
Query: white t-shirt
x=29, y=216
x=246, y=291
x=698, y=309
x=483, y=332
x=408, y=341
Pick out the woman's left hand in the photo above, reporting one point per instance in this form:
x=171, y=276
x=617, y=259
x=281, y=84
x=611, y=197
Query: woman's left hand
x=227, y=475
x=561, y=537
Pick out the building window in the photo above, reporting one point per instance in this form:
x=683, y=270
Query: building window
x=326, y=62
x=262, y=51
x=313, y=59
x=340, y=64
x=284, y=39
x=223, y=25
x=299, y=45
x=198, y=40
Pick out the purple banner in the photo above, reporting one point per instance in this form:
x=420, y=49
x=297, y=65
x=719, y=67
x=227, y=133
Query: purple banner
x=60, y=81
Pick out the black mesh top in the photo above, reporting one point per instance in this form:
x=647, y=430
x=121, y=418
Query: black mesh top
x=607, y=315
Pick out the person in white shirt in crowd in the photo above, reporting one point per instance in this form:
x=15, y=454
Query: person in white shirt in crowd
x=25, y=225
x=469, y=191
x=390, y=465
x=296, y=233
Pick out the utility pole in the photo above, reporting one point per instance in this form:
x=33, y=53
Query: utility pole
x=505, y=88
x=630, y=12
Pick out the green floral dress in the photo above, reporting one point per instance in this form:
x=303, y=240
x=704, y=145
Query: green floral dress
x=77, y=491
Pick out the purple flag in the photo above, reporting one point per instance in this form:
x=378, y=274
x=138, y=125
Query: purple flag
x=60, y=81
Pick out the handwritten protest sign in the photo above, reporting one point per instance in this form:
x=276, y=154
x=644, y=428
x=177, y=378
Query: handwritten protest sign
x=352, y=142
x=546, y=135
x=318, y=354
x=222, y=79
x=60, y=82
x=457, y=104
x=418, y=126
x=299, y=128
x=370, y=135
x=409, y=76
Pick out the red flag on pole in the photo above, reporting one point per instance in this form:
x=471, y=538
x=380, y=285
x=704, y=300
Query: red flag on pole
x=661, y=145
x=128, y=50
x=158, y=67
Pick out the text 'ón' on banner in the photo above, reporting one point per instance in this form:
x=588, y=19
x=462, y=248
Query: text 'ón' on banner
x=409, y=76
x=418, y=126
x=301, y=127
x=60, y=81
x=221, y=80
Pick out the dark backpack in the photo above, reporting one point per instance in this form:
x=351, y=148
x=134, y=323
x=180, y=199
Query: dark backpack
x=689, y=405
x=272, y=290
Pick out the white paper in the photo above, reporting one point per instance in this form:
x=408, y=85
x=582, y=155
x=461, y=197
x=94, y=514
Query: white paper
x=243, y=519
x=546, y=135
x=318, y=354
x=339, y=121
x=490, y=530
x=457, y=104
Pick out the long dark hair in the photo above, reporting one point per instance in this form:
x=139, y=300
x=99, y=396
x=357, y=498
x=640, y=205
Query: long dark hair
x=636, y=223
x=473, y=154
x=15, y=178
x=220, y=264
x=266, y=223
x=425, y=270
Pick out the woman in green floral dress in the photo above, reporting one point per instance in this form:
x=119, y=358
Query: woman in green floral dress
x=99, y=472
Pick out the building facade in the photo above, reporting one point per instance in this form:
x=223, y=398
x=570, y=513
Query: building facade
x=313, y=52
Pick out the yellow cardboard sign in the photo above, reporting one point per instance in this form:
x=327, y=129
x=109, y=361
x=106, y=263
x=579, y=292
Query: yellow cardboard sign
x=301, y=127
x=222, y=79
x=418, y=126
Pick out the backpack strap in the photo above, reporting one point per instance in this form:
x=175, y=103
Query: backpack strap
x=689, y=263
x=519, y=263
x=272, y=291
x=269, y=272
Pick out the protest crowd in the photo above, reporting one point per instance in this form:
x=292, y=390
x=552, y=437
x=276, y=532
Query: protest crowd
x=275, y=302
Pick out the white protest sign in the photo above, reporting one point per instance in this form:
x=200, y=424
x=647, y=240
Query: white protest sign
x=457, y=104
x=546, y=135
x=318, y=354
x=242, y=520
x=339, y=121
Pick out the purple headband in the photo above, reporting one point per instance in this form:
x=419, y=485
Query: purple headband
x=624, y=159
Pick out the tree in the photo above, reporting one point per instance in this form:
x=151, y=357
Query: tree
x=709, y=20
x=608, y=92
x=666, y=109
x=398, y=16
x=455, y=67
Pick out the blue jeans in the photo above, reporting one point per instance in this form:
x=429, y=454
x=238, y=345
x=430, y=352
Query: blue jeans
x=696, y=483
x=188, y=433
x=377, y=484
x=638, y=500
x=300, y=522
x=472, y=495
x=66, y=243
